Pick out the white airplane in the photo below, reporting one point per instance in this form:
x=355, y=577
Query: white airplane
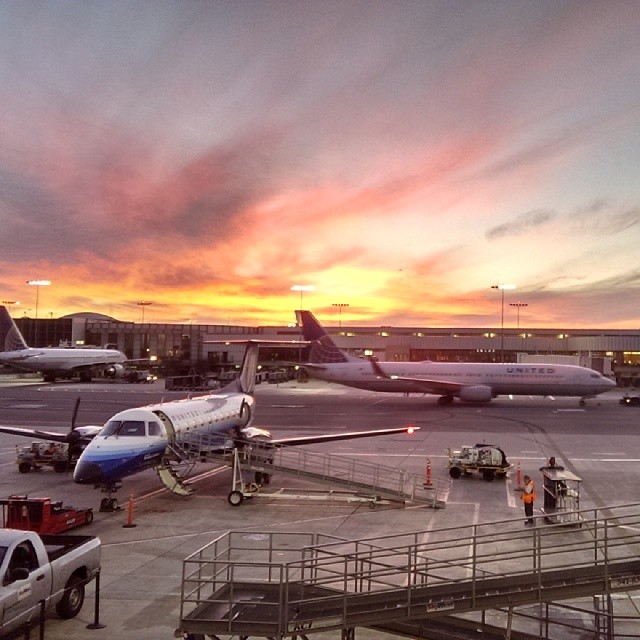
x=169, y=434
x=469, y=382
x=54, y=362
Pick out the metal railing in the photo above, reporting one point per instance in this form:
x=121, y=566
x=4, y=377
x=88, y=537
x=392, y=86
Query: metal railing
x=277, y=584
x=350, y=474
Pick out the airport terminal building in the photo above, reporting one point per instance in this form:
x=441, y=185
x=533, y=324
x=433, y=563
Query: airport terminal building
x=180, y=348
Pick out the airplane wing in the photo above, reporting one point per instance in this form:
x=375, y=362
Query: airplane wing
x=300, y=440
x=423, y=385
x=38, y=434
x=84, y=434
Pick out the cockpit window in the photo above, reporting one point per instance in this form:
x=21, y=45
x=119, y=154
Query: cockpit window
x=155, y=429
x=123, y=428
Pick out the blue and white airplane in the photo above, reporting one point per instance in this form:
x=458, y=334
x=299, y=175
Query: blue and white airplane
x=166, y=434
x=468, y=381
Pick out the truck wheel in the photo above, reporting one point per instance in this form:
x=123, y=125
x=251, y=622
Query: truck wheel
x=88, y=518
x=488, y=475
x=72, y=599
x=455, y=472
x=24, y=467
x=60, y=466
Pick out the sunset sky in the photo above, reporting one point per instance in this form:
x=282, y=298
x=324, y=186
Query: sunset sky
x=400, y=156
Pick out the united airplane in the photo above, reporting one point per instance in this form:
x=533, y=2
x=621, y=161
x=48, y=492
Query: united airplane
x=54, y=362
x=169, y=435
x=469, y=382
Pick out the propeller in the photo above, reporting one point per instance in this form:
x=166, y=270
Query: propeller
x=73, y=437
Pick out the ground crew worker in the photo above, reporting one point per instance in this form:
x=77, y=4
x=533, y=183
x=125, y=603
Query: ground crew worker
x=528, y=496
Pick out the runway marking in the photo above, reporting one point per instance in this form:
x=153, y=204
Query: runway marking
x=27, y=406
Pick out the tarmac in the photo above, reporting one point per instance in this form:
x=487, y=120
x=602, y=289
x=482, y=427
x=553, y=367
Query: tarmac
x=140, y=580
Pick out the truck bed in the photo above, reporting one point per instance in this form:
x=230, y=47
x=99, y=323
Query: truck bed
x=57, y=545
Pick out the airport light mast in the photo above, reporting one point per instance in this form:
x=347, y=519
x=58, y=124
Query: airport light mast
x=502, y=288
x=518, y=306
x=142, y=304
x=341, y=306
x=37, y=284
x=301, y=288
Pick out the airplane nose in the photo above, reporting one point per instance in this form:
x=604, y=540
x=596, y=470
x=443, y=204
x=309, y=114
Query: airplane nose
x=88, y=473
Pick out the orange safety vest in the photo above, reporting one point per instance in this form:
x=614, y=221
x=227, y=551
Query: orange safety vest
x=531, y=495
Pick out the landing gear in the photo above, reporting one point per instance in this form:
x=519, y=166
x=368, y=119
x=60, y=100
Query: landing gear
x=446, y=399
x=110, y=503
x=582, y=402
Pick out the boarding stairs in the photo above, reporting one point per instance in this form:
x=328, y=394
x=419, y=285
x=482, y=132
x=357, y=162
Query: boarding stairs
x=254, y=463
x=176, y=465
x=283, y=585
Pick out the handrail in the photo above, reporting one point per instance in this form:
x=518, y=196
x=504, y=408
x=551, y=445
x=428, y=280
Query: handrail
x=331, y=583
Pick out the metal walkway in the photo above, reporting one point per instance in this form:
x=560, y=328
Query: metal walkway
x=282, y=585
x=374, y=482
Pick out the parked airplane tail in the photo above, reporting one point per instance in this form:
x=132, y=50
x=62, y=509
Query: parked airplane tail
x=246, y=381
x=323, y=349
x=10, y=337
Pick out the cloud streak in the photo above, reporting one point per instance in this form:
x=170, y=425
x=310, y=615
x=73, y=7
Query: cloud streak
x=401, y=158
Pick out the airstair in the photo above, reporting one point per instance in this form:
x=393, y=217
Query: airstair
x=254, y=464
x=285, y=585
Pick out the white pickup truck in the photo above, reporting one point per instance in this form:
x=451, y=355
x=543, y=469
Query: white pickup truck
x=53, y=570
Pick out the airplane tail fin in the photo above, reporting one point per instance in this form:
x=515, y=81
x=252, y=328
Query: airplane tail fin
x=246, y=381
x=10, y=337
x=323, y=349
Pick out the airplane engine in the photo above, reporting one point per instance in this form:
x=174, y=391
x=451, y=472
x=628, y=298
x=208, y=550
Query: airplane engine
x=476, y=393
x=114, y=371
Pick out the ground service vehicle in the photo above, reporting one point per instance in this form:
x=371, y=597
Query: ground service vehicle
x=42, y=515
x=38, y=455
x=630, y=401
x=53, y=570
x=486, y=459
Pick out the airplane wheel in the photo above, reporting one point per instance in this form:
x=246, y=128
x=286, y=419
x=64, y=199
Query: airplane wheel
x=582, y=403
x=235, y=498
x=24, y=467
x=455, y=472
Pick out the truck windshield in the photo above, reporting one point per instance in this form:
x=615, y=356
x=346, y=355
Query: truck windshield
x=123, y=428
x=3, y=553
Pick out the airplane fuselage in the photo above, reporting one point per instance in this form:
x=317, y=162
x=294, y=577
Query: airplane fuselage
x=137, y=439
x=60, y=359
x=502, y=379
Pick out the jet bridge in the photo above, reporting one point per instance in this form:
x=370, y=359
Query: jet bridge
x=285, y=585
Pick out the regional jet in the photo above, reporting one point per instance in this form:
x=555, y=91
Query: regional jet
x=469, y=382
x=171, y=435
x=54, y=362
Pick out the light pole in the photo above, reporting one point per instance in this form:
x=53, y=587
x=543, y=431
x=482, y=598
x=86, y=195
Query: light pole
x=341, y=306
x=142, y=305
x=518, y=306
x=502, y=288
x=37, y=284
x=301, y=288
